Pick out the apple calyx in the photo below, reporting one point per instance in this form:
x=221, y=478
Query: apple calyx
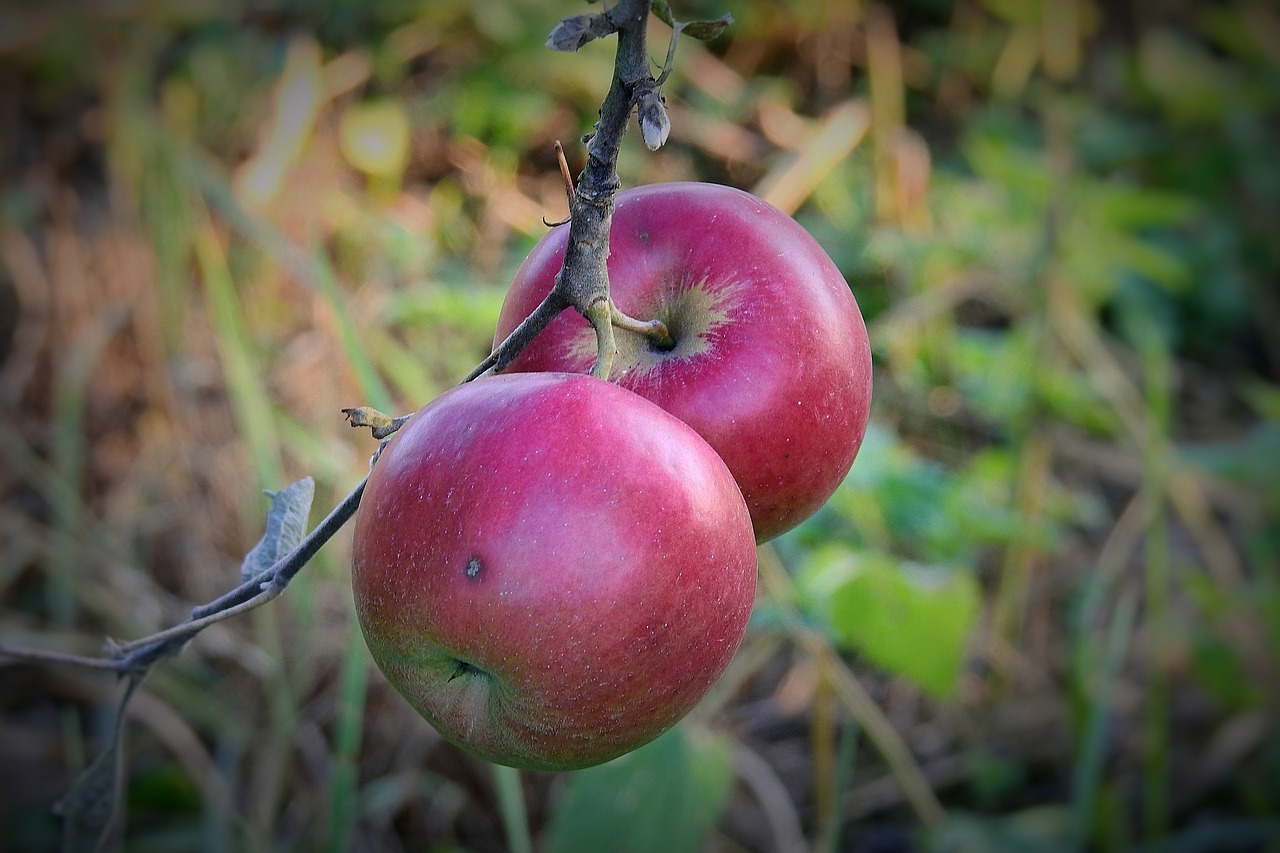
x=465, y=668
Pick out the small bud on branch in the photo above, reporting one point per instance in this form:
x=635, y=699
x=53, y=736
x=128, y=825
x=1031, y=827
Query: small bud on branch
x=655, y=125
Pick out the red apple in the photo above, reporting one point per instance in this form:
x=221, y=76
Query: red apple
x=551, y=569
x=771, y=363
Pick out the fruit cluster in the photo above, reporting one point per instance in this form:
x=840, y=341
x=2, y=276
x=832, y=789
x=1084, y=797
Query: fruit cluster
x=554, y=569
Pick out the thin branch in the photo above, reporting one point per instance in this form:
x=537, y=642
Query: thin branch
x=569, y=192
x=505, y=353
x=138, y=655
x=583, y=283
x=186, y=630
x=248, y=596
x=583, y=279
x=43, y=656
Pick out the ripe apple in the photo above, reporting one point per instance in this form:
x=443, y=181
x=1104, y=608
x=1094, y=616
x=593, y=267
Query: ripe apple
x=551, y=569
x=771, y=363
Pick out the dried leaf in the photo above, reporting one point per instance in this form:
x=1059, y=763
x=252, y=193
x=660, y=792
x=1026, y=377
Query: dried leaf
x=382, y=424
x=89, y=809
x=367, y=416
x=286, y=527
x=572, y=33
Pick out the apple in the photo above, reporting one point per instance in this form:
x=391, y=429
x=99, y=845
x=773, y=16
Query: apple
x=551, y=569
x=771, y=363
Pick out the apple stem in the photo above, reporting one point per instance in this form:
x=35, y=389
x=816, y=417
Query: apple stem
x=655, y=330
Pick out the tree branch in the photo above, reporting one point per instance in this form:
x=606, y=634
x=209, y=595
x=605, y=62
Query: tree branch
x=250, y=594
x=583, y=280
x=44, y=656
x=138, y=655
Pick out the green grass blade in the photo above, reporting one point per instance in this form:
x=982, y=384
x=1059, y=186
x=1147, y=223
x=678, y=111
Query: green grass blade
x=353, y=346
x=1159, y=381
x=515, y=819
x=249, y=399
x=1089, y=763
x=344, y=786
x=74, y=374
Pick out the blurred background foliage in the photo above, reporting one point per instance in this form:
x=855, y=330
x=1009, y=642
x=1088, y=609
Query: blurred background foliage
x=1043, y=612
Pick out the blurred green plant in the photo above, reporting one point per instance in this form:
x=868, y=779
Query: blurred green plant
x=665, y=796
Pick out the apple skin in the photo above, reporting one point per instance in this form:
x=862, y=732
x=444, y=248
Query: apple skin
x=551, y=569
x=771, y=364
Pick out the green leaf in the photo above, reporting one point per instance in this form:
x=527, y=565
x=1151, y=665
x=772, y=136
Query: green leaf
x=701, y=30
x=707, y=30
x=89, y=809
x=1252, y=459
x=1219, y=669
x=1263, y=398
x=286, y=527
x=1039, y=829
x=1189, y=82
x=910, y=619
x=664, y=797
